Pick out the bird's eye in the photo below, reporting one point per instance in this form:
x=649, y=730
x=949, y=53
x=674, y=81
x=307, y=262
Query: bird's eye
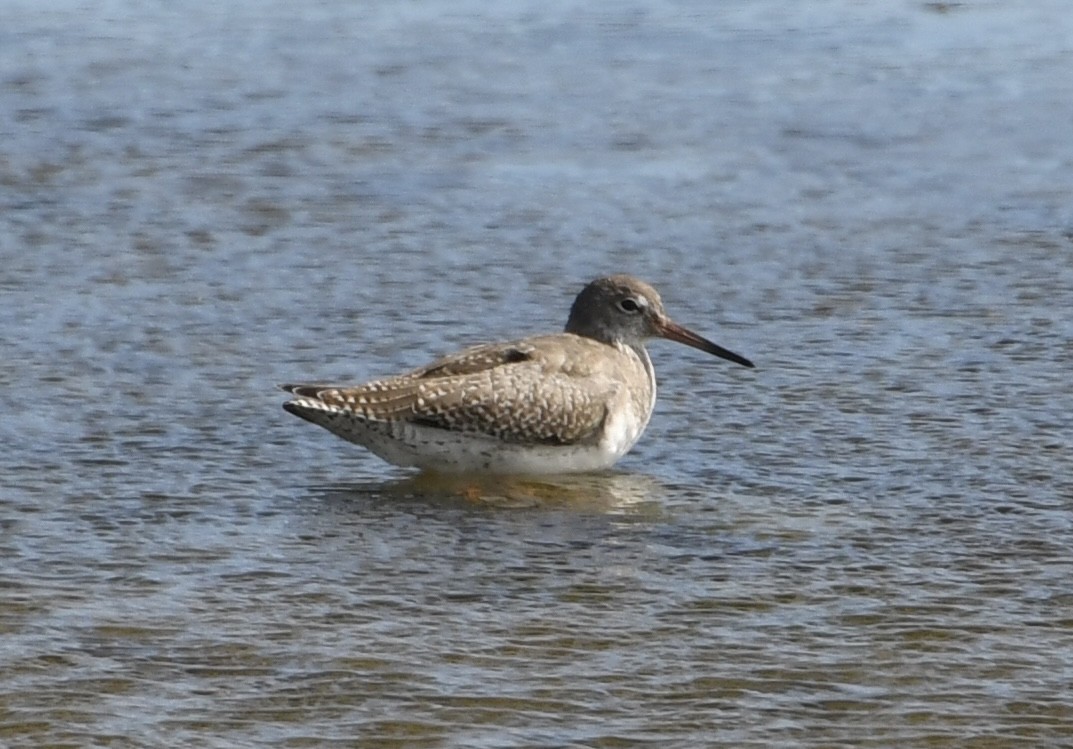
x=629, y=305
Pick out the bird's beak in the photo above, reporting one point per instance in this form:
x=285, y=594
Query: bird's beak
x=674, y=332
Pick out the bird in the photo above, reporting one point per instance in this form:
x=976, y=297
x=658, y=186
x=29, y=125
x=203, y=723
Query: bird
x=569, y=402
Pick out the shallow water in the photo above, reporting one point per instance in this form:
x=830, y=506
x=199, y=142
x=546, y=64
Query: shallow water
x=863, y=542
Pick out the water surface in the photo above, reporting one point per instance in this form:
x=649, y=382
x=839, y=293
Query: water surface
x=863, y=542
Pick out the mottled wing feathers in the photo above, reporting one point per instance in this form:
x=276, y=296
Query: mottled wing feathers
x=515, y=403
x=383, y=400
x=476, y=359
x=521, y=392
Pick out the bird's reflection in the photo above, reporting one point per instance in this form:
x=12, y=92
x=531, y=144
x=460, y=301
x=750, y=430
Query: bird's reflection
x=601, y=492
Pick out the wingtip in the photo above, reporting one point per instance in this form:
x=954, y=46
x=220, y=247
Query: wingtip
x=305, y=410
x=304, y=390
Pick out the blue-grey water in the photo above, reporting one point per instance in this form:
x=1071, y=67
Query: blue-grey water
x=865, y=542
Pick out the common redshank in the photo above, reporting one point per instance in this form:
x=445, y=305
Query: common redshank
x=570, y=402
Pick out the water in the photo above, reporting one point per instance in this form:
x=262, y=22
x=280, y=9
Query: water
x=863, y=542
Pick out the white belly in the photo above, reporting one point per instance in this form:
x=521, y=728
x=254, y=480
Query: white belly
x=449, y=452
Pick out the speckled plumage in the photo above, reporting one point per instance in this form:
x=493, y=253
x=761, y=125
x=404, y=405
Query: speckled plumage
x=568, y=402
